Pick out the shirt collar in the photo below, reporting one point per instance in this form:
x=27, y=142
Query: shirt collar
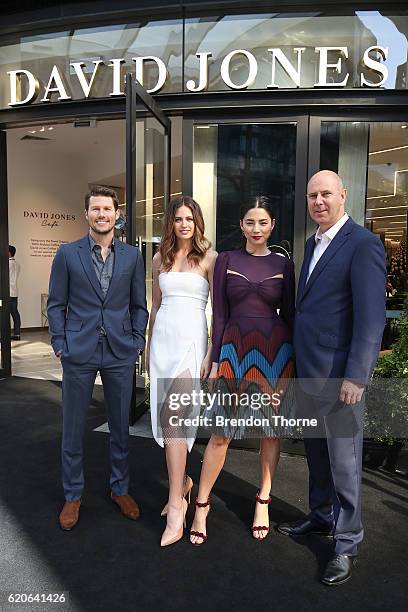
x=332, y=231
x=93, y=244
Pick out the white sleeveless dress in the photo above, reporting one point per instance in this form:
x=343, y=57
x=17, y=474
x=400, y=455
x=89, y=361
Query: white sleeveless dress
x=179, y=340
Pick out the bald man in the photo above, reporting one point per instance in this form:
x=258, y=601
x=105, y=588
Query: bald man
x=340, y=317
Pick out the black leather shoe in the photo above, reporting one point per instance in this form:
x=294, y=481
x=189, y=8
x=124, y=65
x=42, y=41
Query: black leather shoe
x=303, y=528
x=338, y=570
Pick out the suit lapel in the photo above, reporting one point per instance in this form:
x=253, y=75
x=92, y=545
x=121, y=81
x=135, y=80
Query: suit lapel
x=120, y=259
x=84, y=253
x=338, y=241
x=310, y=244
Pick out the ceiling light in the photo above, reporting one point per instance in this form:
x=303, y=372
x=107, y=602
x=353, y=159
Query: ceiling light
x=385, y=217
x=404, y=126
x=84, y=123
x=386, y=150
x=386, y=207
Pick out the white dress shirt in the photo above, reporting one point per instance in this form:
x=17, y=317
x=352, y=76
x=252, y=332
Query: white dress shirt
x=323, y=239
x=14, y=272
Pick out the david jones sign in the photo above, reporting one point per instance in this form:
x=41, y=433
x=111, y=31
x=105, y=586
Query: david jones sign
x=330, y=60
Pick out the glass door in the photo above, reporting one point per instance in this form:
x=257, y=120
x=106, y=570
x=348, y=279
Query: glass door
x=234, y=160
x=147, y=188
x=372, y=159
x=5, y=344
x=147, y=172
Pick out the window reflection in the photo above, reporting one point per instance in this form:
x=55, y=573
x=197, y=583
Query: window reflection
x=387, y=201
x=233, y=162
x=258, y=33
x=372, y=159
x=219, y=35
x=40, y=53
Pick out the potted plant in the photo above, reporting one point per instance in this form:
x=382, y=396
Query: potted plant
x=386, y=418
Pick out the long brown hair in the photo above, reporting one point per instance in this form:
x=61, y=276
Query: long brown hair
x=168, y=244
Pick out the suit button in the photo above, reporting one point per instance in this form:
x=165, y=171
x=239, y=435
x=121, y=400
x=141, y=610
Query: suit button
x=298, y=312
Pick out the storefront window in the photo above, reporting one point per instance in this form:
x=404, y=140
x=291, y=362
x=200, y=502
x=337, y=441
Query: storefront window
x=285, y=50
x=150, y=179
x=228, y=52
x=233, y=162
x=372, y=159
x=39, y=53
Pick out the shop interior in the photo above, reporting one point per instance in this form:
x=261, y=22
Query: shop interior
x=50, y=168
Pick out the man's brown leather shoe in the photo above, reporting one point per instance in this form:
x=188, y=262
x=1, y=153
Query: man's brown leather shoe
x=69, y=515
x=127, y=505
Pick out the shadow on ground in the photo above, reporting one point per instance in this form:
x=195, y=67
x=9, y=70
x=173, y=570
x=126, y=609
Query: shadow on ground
x=110, y=563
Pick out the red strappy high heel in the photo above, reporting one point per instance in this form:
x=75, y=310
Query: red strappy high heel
x=264, y=527
x=199, y=534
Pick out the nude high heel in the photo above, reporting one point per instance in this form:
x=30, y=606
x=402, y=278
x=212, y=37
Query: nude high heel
x=171, y=538
x=188, y=485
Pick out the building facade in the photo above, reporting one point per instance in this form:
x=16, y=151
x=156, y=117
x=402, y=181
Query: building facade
x=231, y=101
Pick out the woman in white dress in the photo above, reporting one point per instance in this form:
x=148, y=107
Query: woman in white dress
x=178, y=350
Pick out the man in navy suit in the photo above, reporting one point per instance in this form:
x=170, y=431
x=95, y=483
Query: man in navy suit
x=340, y=317
x=97, y=319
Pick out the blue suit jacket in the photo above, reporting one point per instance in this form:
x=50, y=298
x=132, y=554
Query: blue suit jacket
x=77, y=308
x=340, y=311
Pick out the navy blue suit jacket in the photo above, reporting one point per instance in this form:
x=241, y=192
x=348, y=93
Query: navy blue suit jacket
x=77, y=308
x=340, y=311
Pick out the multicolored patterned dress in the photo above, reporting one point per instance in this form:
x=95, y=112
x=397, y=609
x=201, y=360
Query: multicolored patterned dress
x=253, y=312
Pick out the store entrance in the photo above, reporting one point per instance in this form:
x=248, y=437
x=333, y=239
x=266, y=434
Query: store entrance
x=50, y=168
x=234, y=160
x=221, y=159
x=51, y=165
x=372, y=159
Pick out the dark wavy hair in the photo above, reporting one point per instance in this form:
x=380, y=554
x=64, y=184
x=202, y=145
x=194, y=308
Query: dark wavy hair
x=259, y=201
x=168, y=243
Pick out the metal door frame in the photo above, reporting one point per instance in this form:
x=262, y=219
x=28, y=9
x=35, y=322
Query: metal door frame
x=5, y=348
x=140, y=104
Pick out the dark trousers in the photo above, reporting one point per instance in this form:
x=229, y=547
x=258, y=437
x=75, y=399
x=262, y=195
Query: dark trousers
x=335, y=468
x=15, y=315
x=77, y=385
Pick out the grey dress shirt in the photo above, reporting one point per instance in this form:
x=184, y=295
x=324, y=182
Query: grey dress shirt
x=103, y=269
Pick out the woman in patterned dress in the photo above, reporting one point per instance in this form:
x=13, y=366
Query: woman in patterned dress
x=253, y=311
